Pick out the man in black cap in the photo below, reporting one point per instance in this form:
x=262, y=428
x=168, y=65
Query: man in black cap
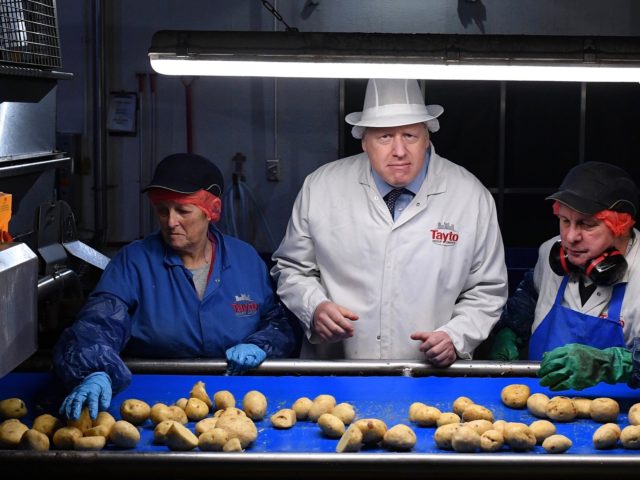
x=576, y=309
x=185, y=291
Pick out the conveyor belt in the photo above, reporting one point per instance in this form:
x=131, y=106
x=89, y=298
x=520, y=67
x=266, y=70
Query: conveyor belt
x=283, y=453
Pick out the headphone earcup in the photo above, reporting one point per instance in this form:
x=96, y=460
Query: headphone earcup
x=559, y=261
x=606, y=269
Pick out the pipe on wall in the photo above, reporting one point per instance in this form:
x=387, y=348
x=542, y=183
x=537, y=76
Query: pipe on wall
x=99, y=135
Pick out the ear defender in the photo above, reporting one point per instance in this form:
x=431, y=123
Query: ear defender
x=605, y=270
x=559, y=261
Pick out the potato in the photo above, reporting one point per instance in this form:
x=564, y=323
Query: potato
x=63, y=438
x=537, y=405
x=101, y=426
x=99, y=431
x=205, y=425
x=321, y=404
x=398, y=437
x=233, y=445
x=444, y=434
x=196, y=409
x=124, y=434
x=254, y=405
x=224, y=399
x=630, y=437
x=542, y=429
x=465, y=440
x=83, y=423
x=230, y=412
x=135, y=411
x=499, y=425
x=491, y=441
x=426, y=416
x=182, y=402
x=238, y=426
x=12, y=408
x=34, y=440
x=214, y=440
x=47, y=424
x=447, y=417
x=604, y=410
x=199, y=391
x=180, y=438
x=351, y=440
x=460, y=403
x=583, y=406
x=344, y=412
x=561, y=409
x=476, y=412
x=519, y=436
x=301, y=406
x=372, y=429
x=480, y=426
x=606, y=436
x=176, y=413
x=159, y=412
x=331, y=425
x=557, y=444
x=161, y=430
x=413, y=408
x=515, y=395
x=104, y=418
x=634, y=414
x=90, y=443
x=284, y=418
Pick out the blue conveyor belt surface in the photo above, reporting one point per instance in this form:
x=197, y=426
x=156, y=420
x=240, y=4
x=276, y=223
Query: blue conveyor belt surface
x=384, y=397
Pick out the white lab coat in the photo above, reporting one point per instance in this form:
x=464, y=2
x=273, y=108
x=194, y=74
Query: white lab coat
x=440, y=266
x=547, y=284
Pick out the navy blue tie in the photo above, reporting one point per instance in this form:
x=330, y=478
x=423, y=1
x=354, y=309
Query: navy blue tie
x=391, y=197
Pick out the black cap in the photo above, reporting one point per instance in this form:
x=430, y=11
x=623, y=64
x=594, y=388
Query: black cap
x=187, y=173
x=592, y=187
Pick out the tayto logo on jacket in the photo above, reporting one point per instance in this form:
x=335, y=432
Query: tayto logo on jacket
x=445, y=234
x=244, y=305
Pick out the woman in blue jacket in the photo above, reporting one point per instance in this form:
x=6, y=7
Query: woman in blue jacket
x=185, y=291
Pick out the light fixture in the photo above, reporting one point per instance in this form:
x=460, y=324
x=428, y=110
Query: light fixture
x=390, y=55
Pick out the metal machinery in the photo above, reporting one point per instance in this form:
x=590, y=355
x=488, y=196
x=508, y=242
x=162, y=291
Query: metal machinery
x=35, y=265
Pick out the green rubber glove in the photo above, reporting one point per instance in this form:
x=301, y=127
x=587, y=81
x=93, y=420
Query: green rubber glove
x=505, y=345
x=576, y=367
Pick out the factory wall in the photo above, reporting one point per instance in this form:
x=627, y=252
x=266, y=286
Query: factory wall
x=296, y=121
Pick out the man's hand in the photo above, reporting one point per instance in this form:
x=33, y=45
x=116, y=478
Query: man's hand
x=332, y=323
x=576, y=367
x=505, y=346
x=437, y=347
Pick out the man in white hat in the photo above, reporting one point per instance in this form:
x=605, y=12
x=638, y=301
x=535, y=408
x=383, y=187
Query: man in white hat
x=394, y=253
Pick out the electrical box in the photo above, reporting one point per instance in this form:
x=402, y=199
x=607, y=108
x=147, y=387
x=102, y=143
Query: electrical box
x=5, y=211
x=273, y=170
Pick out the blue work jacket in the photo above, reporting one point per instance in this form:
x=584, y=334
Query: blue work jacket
x=146, y=301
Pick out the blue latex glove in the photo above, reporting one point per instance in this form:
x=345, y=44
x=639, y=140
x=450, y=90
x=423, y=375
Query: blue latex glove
x=243, y=357
x=94, y=392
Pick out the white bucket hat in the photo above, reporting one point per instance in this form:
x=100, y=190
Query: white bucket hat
x=393, y=103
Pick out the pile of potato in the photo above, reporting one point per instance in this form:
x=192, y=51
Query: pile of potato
x=221, y=426
x=565, y=409
x=470, y=428
x=48, y=431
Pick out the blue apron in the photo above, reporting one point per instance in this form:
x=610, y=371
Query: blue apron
x=563, y=325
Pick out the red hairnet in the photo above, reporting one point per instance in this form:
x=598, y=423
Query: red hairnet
x=618, y=222
x=205, y=201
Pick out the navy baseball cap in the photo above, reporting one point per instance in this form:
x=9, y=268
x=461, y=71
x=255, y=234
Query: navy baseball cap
x=592, y=187
x=187, y=173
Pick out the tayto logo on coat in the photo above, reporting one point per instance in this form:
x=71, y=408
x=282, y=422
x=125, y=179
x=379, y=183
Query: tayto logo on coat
x=244, y=306
x=445, y=234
